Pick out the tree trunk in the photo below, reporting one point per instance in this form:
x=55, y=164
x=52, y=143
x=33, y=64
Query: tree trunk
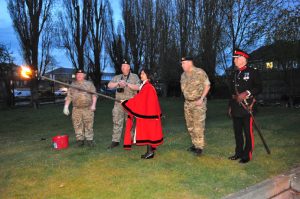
x=97, y=72
x=5, y=96
x=34, y=82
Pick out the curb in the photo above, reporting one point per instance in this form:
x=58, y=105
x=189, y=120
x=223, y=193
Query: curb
x=284, y=186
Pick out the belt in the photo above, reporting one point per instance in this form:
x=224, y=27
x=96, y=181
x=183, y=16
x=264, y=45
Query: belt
x=81, y=107
x=193, y=99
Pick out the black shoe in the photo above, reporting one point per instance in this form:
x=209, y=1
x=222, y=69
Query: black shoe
x=113, y=145
x=192, y=148
x=148, y=156
x=198, y=152
x=244, y=161
x=144, y=155
x=80, y=143
x=234, y=157
x=90, y=143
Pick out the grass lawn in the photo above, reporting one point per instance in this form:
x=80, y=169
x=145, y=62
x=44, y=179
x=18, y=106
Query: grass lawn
x=30, y=168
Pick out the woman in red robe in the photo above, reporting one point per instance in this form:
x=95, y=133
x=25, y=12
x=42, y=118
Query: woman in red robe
x=146, y=109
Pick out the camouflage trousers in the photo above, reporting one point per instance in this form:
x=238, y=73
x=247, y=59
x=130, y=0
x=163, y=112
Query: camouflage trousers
x=83, y=121
x=119, y=116
x=195, y=121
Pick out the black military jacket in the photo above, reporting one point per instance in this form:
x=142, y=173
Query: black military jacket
x=247, y=79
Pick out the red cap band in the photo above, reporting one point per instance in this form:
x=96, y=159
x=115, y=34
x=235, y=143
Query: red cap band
x=241, y=54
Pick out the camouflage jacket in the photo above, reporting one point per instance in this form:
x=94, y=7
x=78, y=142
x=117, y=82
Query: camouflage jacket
x=193, y=84
x=81, y=99
x=128, y=93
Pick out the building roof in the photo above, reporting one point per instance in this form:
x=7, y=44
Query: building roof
x=279, y=50
x=61, y=70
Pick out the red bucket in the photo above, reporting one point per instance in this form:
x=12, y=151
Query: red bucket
x=60, y=142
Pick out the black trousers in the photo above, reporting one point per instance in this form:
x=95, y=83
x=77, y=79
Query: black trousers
x=244, y=138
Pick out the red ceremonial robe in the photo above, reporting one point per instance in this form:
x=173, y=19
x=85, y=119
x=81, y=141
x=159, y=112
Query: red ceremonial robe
x=146, y=109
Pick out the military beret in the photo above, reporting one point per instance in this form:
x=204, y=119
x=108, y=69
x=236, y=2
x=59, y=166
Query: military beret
x=187, y=58
x=125, y=61
x=80, y=71
x=240, y=53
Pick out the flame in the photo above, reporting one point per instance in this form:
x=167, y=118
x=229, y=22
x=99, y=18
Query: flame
x=26, y=72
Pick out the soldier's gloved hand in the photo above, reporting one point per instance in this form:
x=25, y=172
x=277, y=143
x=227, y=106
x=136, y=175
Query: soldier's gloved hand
x=66, y=110
x=242, y=96
x=93, y=108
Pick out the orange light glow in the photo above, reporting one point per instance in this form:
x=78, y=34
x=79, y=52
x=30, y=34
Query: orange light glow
x=26, y=72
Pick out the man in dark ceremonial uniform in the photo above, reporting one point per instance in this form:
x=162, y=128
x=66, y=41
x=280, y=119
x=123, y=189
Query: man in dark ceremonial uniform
x=245, y=86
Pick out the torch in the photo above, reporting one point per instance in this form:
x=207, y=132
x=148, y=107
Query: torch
x=27, y=73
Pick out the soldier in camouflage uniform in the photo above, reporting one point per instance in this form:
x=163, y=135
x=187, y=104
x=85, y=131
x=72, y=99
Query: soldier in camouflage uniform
x=126, y=85
x=84, y=105
x=195, y=86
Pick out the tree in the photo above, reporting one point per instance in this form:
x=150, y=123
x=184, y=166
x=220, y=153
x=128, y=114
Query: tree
x=246, y=23
x=74, y=30
x=6, y=75
x=115, y=49
x=186, y=26
x=198, y=25
x=167, y=50
x=97, y=25
x=47, y=44
x=114, y=44
x=285, y=37
x=5, y=55
x=287, y=26
x=29, y=18
x=210, y=32
x=133, y=29
x=157, y=33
